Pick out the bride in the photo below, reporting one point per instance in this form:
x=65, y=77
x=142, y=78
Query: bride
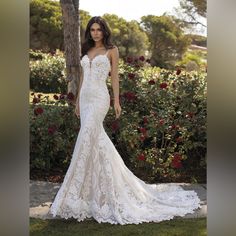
x=97, y=183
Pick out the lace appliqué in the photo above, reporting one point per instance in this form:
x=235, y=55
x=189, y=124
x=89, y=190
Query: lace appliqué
x=97, y=183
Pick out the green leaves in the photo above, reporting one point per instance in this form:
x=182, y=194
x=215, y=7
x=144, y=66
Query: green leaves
x=173, y=117
x=168, y=43
x=52, y=133
x=161, y=133
x=47, y=72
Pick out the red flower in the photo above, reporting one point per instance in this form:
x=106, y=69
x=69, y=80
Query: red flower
x=36, y=100
x=190, y=115
x=151, y=82
x=55, y=97
x=163, y=85
x=115, y=125
x=38, y=111
x=142, y=58
x=142, y=137
x=52, y=129
x=131, y=75
x=141, y=157
x=174, y=126
x=176, y=164
x=179, y=139
x=62, y=96
x=142, y=130
x=178, y=71
x=177, y=156
x=145, y=120
x=161, y=121
x=70, y=96
x=130, y=96
x=176, y=161
x=129, y=59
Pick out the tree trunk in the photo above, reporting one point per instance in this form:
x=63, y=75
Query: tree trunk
x=71, y=30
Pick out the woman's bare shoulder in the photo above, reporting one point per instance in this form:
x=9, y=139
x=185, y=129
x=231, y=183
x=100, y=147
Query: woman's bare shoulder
x=114, y=51
x=114, y=48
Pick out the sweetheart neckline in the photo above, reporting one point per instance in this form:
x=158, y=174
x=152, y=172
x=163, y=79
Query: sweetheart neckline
x=91, y=60
x=96, y=56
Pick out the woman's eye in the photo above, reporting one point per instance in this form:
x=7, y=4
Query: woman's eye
x=93, y=30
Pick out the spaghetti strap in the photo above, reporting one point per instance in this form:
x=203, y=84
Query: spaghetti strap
x=107, y=52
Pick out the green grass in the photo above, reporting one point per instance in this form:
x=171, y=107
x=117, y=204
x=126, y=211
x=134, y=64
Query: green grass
x=70, y=227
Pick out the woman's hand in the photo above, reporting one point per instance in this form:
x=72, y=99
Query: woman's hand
x=117, y=109
x=77, y=110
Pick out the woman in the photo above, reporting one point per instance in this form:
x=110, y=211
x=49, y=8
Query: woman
x=97, y=183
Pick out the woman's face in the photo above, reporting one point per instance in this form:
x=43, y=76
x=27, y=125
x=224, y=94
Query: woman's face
x=96, y=32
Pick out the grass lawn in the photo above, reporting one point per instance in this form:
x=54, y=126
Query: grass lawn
x=70, y=227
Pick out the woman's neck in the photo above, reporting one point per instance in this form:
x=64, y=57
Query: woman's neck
x=99, y=45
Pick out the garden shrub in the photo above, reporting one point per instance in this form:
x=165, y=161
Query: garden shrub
x=161, y=134
x=47, y=72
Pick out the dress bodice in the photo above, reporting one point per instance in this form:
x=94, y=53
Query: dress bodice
x=97, y=68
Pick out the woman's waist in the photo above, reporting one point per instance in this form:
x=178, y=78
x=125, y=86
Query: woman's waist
x=94, y=94
x=94, y=87
x=95, y=77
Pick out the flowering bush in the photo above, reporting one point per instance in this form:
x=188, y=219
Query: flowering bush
x=47, y=72
x=162, y=131
x=161, y=134
x=53, y=130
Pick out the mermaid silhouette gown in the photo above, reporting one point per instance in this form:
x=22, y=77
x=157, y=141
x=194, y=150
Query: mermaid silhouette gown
x=97, y=183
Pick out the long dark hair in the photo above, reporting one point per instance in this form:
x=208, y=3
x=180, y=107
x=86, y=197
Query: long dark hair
x=88, y=40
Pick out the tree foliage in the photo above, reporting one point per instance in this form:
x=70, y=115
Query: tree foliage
x=128, y=36
x=46, y=29
x=159, y=37
x=45, y=25
x=167, y=41
x=198, y=40
x=190, y=10
x=200, y=6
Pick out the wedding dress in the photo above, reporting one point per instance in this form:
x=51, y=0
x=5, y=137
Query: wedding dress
x=97, y=183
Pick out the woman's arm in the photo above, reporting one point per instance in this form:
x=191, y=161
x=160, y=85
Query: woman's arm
x=115, y=79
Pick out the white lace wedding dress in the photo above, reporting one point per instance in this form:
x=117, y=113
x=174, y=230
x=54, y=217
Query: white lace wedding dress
x=97, y=183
